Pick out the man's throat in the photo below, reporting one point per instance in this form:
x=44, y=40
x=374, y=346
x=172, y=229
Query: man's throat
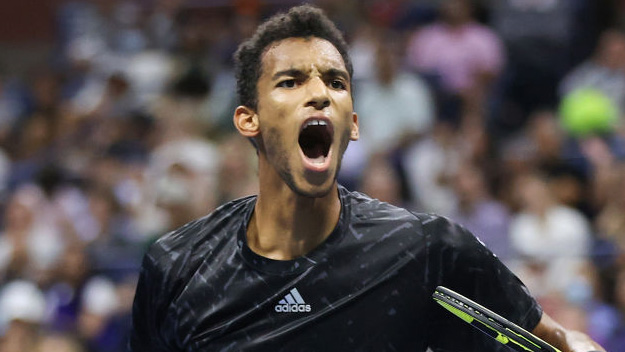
x=285, y=231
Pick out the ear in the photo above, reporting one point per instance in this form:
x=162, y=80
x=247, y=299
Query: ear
x=246, y=121
x=354, y=135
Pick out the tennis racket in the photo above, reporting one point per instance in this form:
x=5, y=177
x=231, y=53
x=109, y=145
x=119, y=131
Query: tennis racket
x=490, y=323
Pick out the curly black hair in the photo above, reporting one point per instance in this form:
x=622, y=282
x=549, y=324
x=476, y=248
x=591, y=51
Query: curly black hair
x=303, y=21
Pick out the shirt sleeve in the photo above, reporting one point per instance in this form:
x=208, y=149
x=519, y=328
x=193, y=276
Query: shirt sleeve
x=459, y=261
x=149, y=331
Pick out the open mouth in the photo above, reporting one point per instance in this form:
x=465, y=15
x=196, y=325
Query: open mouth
x=315, y=140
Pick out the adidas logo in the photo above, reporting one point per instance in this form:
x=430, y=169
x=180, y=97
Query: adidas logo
x=292, y=303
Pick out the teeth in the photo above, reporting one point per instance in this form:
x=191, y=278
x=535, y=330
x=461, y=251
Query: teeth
x=316, y=123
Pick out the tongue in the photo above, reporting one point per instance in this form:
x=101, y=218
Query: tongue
x=315, y=154
x=317, y=160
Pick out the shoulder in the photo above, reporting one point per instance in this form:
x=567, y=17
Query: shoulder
x=522, y=220
x=568, y=213
x=434, y=29
x=194, y=240
x=584, y=71
x=448, y=241
x=482, y=30
x=364, y=207
x=366, y=211
x=411, y=83
x=442, y=231
x=573, y=218
x=427, y=35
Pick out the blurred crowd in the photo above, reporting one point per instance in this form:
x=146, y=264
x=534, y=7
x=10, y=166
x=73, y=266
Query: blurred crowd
x=506, y=116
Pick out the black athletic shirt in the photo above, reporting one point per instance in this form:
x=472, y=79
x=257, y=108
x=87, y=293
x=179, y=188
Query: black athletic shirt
x=368, y=287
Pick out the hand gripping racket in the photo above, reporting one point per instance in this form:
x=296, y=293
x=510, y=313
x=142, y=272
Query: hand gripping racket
x=490, y=323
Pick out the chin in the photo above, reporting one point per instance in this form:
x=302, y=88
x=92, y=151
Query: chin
x=308, y=189
x=316, y=192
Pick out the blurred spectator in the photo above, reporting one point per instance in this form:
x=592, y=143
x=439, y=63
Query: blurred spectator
x=11, y=106
x=616, y=335
x=607, y=316
x=610, y=221
x=114, y=247
x=430, y=165
x=537, y=37
x=5, y=173
x=479, y=212
x=542, y=145
x=22, y=313
x=462, y=56
x=362, y=51
x=21, y=300
x=475, y=144
x=237, y=169
x=65, y=291
x=552, y=240
x=547, y=137
x=394, y=107
x=605, y=71
x=20, y=336
x=45, y=92
x=148, y=73
x=381, y=181
x=568, y=182
x=161, y=23
x=98, y=323
x=106, y=31
x=32, y=148
x=185, y=175
x=58, y=343
x=127, y=33
x=29, y=244
x=602, y=167
x=83, y=303
x=113, y=99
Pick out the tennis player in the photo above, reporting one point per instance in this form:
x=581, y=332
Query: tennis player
x=307, y=265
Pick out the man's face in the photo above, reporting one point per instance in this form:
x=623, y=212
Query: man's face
x=305, y=113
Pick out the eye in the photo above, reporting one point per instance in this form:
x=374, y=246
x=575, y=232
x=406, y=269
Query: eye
x=287, y=83
x=338, y=84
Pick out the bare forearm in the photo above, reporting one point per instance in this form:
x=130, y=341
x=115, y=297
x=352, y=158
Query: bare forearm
x=565, y=340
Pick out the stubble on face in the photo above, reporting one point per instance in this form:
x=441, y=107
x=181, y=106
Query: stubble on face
x=284, y=110
x=270, y=144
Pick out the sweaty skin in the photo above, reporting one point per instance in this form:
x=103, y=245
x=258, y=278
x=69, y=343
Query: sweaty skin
x=565, y=340
x=302, y=78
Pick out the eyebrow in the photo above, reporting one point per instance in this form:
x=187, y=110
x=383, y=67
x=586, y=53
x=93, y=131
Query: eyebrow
x=290, y=72
x=334, y=72
x=293, y=72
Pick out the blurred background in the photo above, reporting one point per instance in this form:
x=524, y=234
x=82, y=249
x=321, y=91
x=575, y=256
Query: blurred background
x=115, y=128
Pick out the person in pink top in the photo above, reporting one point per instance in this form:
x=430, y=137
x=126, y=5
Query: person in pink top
x=461, y=55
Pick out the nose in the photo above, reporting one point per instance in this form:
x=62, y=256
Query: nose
x=318, y=94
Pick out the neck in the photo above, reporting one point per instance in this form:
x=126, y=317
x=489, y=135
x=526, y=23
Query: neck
x=457, y=24
x=286, y=225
